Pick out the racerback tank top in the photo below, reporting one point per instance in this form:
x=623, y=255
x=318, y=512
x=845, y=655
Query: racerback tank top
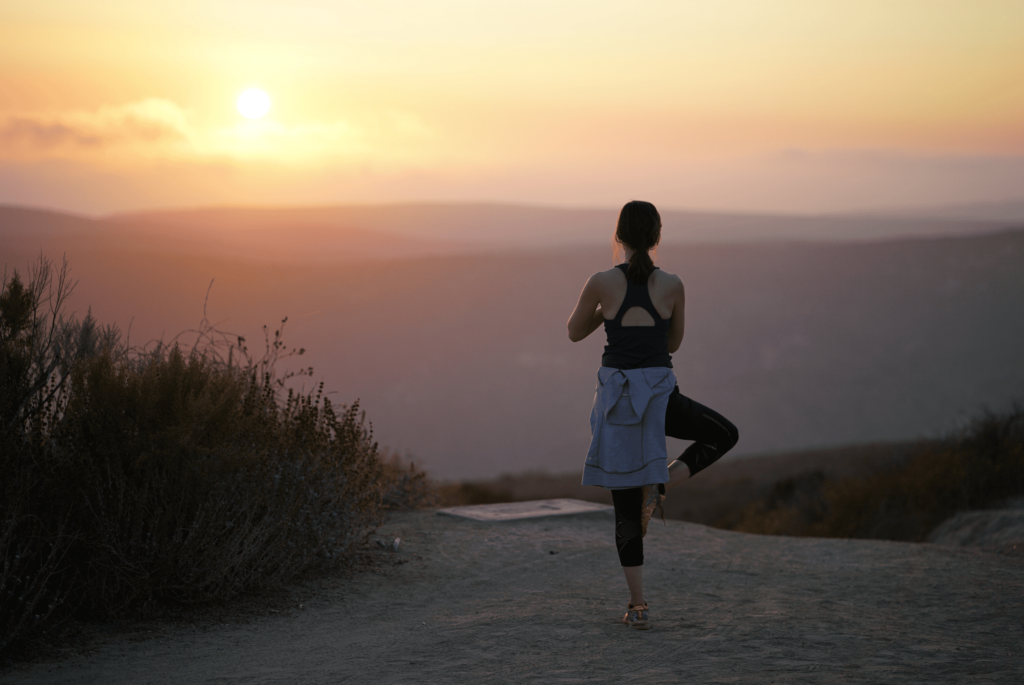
x=636, y=347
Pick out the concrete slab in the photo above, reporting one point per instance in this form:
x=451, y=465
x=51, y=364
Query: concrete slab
x=511, y=511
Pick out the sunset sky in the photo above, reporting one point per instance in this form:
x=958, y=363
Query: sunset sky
x=788, y=105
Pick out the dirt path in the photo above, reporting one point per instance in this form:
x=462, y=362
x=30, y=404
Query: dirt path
x=481, y=603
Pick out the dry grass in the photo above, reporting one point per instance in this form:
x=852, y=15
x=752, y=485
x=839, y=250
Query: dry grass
x=978, y=469
x=403, y=486
x=141, y=476
x=897, y=491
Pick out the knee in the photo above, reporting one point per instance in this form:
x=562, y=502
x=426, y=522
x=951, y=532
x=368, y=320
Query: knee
x=734, y=435
x=727, y=435
x=626, y=531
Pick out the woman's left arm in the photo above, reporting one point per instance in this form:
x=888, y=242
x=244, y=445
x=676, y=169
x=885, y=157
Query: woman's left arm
x=587, y=317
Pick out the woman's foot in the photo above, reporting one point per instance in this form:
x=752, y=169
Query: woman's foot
x=651, y=497
x=637, y=616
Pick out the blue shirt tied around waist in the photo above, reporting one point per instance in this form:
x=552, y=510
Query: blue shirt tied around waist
x=627, y=424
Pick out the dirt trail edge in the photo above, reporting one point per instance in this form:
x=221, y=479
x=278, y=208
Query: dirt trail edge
x=539, y=601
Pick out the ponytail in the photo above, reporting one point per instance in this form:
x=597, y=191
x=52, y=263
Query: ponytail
x=639, y=227
x=641, y=266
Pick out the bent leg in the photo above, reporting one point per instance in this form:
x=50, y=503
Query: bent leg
x=712, y=433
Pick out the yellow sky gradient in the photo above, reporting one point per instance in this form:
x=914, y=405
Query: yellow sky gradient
x=787, y=105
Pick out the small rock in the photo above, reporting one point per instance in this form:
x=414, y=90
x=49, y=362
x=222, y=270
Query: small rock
x=394, y=545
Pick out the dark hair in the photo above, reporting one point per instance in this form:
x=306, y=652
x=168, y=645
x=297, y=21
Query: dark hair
x=639, y=227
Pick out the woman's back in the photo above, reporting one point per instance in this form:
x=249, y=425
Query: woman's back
x=660, y=288
x=663, y=298
x=638, y=331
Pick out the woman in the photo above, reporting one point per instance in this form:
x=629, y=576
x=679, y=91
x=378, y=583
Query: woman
x=638, y=402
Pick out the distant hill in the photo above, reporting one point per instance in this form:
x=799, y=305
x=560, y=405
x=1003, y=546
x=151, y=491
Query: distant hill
x=360, y=232
x=21, y=228
x=1006, y=212
x=485, y=226
x=463, y=360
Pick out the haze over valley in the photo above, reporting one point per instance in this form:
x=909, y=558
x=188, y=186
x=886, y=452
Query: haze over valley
x=447, y=322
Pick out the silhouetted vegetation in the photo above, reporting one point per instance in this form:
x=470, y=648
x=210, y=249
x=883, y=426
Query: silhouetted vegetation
x=403, y=486
x=462, y=494
x=892, y=491
x=978, y=469
x=133, y=476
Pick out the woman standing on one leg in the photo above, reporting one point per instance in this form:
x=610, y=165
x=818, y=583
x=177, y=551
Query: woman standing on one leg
x=637, y=401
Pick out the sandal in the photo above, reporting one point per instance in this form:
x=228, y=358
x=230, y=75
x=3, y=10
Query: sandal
x=637, y=617
x=652, y=496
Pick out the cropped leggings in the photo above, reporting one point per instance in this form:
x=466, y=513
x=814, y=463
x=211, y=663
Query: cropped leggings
x=713, y=435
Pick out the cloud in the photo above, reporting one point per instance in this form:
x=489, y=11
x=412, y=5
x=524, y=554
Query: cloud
x=147, y=123
x=161, y=129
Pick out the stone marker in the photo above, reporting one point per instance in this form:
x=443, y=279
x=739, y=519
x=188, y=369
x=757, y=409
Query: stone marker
x=511, y=511
x=988, y=528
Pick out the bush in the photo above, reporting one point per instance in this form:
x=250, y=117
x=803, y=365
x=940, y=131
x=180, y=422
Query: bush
x=403, y=486
x=192, y=483
x=38, y=346
x=135, y=476
x=977, y=469
x=462, y=494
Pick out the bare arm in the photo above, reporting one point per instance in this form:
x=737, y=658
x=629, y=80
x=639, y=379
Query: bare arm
x=587, y=317
x=675, y=331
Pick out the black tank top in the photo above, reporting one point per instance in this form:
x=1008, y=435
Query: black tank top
x=636, y=347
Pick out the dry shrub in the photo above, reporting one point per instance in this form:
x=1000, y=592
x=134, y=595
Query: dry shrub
x=193, y=483
x=37, y=346
x=978, y=469
x=461, y=494
x=31, y=556
x=184, y=482
x=154, y=475
x=403, y=485
x=793, y=504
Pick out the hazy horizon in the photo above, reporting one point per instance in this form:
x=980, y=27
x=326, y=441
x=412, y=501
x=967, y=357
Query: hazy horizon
x=359, y=231
x=803, y=344
x=1007, y=209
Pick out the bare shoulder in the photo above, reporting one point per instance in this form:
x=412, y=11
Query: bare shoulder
x=667, y=282
x=604, y=279
x=611, y=275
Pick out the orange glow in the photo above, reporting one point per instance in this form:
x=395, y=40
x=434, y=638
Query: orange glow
x=485, y=100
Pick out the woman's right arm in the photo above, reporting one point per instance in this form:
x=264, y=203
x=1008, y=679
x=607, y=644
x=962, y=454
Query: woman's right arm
x=678, y=325
x=587, y=317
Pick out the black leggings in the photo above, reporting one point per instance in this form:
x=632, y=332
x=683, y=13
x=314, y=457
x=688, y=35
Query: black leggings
x=713, y=436
x=712, y=433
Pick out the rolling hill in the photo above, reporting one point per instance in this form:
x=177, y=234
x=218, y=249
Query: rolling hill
x=458, y=351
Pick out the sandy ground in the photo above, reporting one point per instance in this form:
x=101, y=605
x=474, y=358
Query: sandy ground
x=540, y=602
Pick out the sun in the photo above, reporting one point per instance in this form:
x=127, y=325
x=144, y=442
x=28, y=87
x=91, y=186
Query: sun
x=253, y=103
